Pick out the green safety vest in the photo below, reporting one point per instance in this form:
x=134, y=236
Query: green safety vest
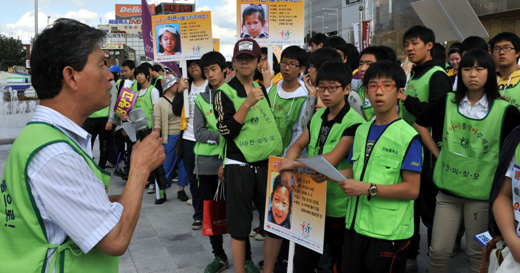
x=158, y=79
x=512, y=94
x=24, y=238
x=381, y=218
x=134, y=86
x=285, y=112
x=367, y=109
x=145, y=102
x=418, y=88
x=259, y=137
x=103, y=113
x=470, y=149
x=206, y=108
x=336, y=199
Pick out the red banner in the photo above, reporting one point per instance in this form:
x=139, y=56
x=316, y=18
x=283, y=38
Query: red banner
x=366, y=34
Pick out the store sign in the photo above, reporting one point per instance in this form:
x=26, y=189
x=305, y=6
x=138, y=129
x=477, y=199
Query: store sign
x=126, y=11
x=112, y=45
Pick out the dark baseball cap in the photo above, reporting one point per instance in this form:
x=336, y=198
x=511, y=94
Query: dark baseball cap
x=247, y=46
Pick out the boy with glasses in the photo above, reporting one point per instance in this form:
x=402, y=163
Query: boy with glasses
x=505, y=52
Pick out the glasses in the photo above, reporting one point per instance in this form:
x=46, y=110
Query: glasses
x=387, y=87
x=506, y=49
x=331, y=89
x=291, y=66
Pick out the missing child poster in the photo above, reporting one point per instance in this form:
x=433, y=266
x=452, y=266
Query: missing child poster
x=271, y=22
x=297, y=216
x=184, y=36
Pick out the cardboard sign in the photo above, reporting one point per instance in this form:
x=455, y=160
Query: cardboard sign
x=181, y=37
x=271, y=23
x=125, y=102
x=297, y=216
x=216, y=44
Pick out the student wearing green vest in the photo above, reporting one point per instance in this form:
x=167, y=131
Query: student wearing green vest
x=245, y=120
x=157, y=73
x=474, y=122
x=330, y=133
x=57, y=212
x=207, y=148
x=505, y=49
x=369, y=55
x=384, y=179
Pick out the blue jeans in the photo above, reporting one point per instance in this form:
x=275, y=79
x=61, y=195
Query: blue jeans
x=171, y=159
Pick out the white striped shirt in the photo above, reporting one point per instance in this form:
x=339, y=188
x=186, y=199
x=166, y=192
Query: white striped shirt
x=72, y=201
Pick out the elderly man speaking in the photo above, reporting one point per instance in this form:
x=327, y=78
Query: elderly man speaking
x=58, y=216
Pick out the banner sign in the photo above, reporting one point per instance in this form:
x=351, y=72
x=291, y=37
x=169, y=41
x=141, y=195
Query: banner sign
x=125, y=102
x=271, y=23
x=181, y=37
x=127, y=11
x=297, y=216
x=216, y=44
x=366, y=35
x=112, y=45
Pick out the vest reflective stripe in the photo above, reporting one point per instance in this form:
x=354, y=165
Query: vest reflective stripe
x=470, y=149
x=206, y=149
x=418, y=88
x=367, y=109
x=26, y=236
x=285, y=112
x=381, y=218
x=336, y=199
x=511, y=94
x=259, y=137
x=145, y=102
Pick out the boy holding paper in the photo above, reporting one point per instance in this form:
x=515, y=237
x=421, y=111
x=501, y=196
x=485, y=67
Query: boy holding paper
x=329, y=133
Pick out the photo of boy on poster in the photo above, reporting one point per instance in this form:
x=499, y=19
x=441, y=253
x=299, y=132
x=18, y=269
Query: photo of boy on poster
x=280, y=204
x=169, y=40
x=254, y=21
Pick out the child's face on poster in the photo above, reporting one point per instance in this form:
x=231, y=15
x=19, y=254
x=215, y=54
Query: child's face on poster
x=168, y=42
x=254, y=25
x=280, y=204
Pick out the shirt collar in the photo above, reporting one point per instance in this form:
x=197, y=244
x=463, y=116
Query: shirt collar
x=339, y=117
x=483, y=101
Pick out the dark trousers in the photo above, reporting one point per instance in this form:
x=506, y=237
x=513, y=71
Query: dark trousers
x=189, y=165
x=95, y=127
x=120, y=145
x=306, y=260
x=424, y=207
x=363, y=254
x=208, y=186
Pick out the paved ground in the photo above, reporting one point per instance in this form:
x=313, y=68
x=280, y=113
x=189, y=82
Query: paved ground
x=163, y=240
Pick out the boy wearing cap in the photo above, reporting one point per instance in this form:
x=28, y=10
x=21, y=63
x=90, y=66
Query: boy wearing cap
x=249, y=129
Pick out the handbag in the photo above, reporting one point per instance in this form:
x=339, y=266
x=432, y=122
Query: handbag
x=500, y=258
x=215, y=221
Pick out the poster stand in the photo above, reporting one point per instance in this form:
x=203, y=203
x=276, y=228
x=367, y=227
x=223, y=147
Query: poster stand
x=185, y=94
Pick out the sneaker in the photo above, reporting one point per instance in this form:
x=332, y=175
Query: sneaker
x=217, y=265
x=151, y=188
x=196, y=225
x=175, y=180
x=161, y=200
x=411, y=266
x=182, y=196
x=189, y=202
x=261, y=236
x=255, y=231
x=280, y=266
x=251, y=268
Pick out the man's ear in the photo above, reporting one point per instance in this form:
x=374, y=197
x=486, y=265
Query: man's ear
x=320, y=45
x=347, y=88
x=400, y=93
x=68, y=78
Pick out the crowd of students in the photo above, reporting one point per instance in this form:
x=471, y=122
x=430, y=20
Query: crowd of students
x=417, y=140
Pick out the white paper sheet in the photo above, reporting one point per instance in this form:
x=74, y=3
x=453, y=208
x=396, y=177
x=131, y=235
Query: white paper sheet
x=319, y=164
x=130, y=131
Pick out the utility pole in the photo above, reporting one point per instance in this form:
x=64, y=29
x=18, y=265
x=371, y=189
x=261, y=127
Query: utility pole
x=35, y=18
x=360, y=28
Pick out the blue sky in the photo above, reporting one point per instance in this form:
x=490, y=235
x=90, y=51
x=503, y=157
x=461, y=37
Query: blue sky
x=18, y=19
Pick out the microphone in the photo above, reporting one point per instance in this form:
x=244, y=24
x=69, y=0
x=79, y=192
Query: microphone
x=140, y=124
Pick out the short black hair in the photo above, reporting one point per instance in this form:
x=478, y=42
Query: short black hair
x=252, y=9
x=322, y=55
x=352, y=56
x=378, y=52
x=438, y=52
x=318, y=38
x=157, y=68
x=67, y=42
x=142, y=69
x=483, y=59
x=295, y=53
x=211, y=58
x=116, y=76
x=386, y=69
x=129, y=63
x=147, y=65
x=454, y=48
x=335, y=71
x=336, y=42
x=425, y=34
x=506, y=36
x=390, y=52
x=473, y=42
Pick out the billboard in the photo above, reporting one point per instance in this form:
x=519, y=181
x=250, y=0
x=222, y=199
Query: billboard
x=124, y=11
x=174, y=8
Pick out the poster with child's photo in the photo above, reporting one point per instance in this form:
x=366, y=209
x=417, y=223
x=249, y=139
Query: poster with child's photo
x=169, y=40
x=254, y=22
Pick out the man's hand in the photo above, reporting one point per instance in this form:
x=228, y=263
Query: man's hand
x=318, y=177
x=183, y=85
x=108, y=126
x=407, y=66
x=267, y=75
x=254, y=96
x=148, y=154
x=311, y=88
x=221, y=174
x=288, y=177
x=352, y=187
x=286, y=165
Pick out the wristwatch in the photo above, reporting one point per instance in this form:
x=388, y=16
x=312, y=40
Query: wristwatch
x=372, y=191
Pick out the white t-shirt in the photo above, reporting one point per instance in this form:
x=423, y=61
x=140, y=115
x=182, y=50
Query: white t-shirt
x=128, y=83
x=188, y=132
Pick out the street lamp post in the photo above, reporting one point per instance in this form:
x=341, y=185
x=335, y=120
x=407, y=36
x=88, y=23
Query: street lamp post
x=48, y=17
x=35, y=18
x=337, y=17
x=322, y=21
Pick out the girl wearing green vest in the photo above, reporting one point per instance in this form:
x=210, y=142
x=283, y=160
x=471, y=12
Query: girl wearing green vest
x=474, y=123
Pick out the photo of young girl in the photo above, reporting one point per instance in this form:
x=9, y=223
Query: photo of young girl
x=280, y=204
x=254, y=21
x=169, y=40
